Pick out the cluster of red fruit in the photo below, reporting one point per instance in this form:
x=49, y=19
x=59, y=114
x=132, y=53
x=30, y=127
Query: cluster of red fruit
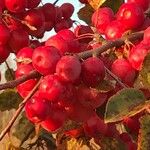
x=130, y=16
x=68, y=89
x=65, y=91
x=21, y=19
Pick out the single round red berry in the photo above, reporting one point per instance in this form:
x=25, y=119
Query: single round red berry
x=137, y=55
x=45, y=58
x=33, y=3
x=122, y=69
x=91, y=97
x=102, y=17
x=51, y=88
x=68, y=68
x=95, y=126
x=16, y=6
x=131, y=15
x=114, y=30
x=24, y=56
x=59, y=43
x=18, y=39
x=4, y=34
x=37, y=109
x=67, y=10
x=142, y=3
x=24, y=88
x=93, y=71
x=55, y=120
x=4, y=53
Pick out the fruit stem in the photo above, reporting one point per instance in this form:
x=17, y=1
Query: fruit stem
x=116, y=78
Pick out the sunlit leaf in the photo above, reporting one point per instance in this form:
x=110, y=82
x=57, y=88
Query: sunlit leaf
x=113, y=4
x=23, y=128
x=96, y=3
x=85, y=14
x=9, y=74
x=125, y=103
x=9, y=99
x=143, y=79
x=144, y=134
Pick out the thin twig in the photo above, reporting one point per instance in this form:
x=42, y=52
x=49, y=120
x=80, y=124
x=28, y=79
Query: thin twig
x=18, y=111
x=116, y=78
x=11, y=84
x=55, y=2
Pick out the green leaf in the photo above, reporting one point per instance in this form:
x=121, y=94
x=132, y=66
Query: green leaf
x=4, y=119
x=107, y=143
x=9, y=75
x=113, y=4
x=9, y=99
x=144, y=134
x=85, y=13
x=23, y=128
x=125, y=103
x=144, y=76
x=105, y=86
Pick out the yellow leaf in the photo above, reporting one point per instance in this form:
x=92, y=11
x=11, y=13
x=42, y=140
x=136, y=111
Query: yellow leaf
x=96, y=3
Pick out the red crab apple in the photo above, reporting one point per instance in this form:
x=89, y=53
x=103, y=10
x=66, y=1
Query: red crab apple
x=37, y=109
x=95, y=126
x=59, y=43
x=123, y=69
x=16, y=6
x=4, y=53
x=28, y=85
x=24, y=55
x=55, y=120
x=33, y=3
x=18, y=39
x=68, y=68
x=67, y=10
x=51, y=88
x=142, y=3
x=131, y=15
x=4, y=34
x=102, y=17
x=93, y=71
x=45, y=58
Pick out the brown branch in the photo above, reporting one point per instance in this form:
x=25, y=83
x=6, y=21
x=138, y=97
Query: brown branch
x=18, y=111
x=14, y=83
x=110, y=44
